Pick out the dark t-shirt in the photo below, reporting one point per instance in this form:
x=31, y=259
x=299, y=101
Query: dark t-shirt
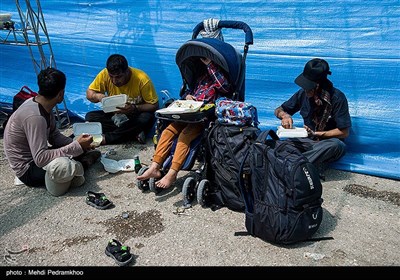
x=339, y=117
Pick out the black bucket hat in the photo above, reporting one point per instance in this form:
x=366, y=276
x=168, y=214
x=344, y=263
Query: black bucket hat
x=315, y=72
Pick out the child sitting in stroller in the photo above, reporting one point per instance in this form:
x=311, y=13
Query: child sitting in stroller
x=208, y=87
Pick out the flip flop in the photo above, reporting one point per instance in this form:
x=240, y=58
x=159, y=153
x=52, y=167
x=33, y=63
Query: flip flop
x=98, y=200
x=121, y=254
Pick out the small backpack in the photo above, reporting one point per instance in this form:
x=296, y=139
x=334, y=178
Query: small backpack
x=232, y=112
x=24, y=94
x=227, y=146
x=283, y=192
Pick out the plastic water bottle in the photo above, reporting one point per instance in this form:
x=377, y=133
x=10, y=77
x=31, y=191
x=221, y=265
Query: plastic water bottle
x=138, y=165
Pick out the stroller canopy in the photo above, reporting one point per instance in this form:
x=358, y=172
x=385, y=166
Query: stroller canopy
x=221, y=53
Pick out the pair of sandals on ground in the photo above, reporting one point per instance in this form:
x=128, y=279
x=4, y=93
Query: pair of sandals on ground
x=120, y=253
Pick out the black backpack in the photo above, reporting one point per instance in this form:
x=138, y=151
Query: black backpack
x=282, y=192
x=227, y=146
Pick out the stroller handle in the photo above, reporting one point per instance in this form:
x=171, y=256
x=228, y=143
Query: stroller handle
x=228, y=24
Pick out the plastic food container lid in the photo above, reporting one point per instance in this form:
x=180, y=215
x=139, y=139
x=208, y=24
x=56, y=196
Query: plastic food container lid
x=291, y=132
x=181, y=106
x=92, y=128
x=110, y=103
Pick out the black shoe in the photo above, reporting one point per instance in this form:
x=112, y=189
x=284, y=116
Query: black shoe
x=89, y=158
x=141, y=138
x=321, y=168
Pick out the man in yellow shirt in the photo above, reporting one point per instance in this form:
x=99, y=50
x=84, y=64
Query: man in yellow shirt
x=136, y=118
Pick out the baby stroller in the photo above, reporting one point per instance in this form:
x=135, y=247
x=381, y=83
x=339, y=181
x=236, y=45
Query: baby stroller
x=232, y=62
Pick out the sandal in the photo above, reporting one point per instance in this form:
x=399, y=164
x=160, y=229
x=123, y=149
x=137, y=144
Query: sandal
x=98, y=200
x=121, y=254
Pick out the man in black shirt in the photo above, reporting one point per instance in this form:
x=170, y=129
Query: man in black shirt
x=325, y=112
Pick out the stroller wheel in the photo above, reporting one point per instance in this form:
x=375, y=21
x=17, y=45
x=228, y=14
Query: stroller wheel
x=202, y=192
x=153, y=187
x=152, y=184
x=142, y=185
x=188, y=191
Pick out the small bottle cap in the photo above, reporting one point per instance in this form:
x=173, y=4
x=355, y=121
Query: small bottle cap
x=125, y=215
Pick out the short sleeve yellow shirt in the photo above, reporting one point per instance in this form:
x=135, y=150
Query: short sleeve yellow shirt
x=140, y=88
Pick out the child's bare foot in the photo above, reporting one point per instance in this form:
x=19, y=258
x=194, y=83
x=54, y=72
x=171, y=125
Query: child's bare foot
x=167, y=180
x=152, y=172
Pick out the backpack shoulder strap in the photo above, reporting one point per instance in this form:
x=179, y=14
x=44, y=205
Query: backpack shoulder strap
x=247, y=194
x=262, y=137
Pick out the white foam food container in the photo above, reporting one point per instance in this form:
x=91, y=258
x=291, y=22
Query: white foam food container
x=91, y=128
x=291, y=132
x=181, y=106
x=114, y=166
x=110, y=103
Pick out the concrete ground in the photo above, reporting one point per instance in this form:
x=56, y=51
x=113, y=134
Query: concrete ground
x=37, y=230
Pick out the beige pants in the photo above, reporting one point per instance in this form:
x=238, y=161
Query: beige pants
x=63, y=173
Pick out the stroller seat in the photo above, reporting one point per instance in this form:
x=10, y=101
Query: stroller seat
x=196, y=148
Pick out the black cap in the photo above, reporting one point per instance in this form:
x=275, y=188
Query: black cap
x=315, y=72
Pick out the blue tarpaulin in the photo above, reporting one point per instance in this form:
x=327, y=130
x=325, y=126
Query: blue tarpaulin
x=359, y=39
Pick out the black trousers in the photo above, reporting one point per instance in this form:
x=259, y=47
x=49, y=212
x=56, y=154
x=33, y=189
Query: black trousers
x=129, y=130
x=34, y=176
x=322, y=152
